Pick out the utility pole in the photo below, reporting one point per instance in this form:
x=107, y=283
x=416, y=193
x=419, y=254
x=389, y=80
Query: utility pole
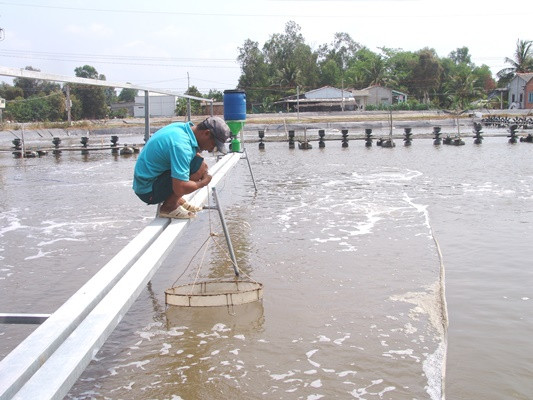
x=298, y=102
x=68, y=104
x=342, y=92
x=188, y=100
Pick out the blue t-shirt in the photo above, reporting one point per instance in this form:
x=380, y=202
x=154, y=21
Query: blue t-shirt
x=171, y=148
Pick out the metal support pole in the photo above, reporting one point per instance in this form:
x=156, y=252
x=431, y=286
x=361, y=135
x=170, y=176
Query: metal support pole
x=146, y=116
x=11, y=318
x=69, y=106
x=226, y=232
x=250, y=167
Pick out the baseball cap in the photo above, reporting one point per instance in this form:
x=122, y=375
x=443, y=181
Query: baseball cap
x=220, y=131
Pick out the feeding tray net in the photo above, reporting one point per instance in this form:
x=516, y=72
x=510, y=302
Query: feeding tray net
x=216, y=293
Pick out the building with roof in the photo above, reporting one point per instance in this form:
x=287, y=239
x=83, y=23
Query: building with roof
x=377, y=96
x=328, y=98
x=161, y=105
x=521, y=91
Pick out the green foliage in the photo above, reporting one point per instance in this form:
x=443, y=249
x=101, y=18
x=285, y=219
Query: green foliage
x=119, y=113
x=9, y=92
x=522, y=62
x=36, y=108
x=92, y=98
x=34, y=87
x=286, y=61
x=216, y=95
x=127, y=95
x=181, y=104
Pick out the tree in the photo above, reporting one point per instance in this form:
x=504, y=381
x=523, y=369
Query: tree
x=127, y=95
x=522, y=62
x=92, y=98
x=33, y=87
x=461, y=56
x=254, y=78
x=342, y=50
x=37, y=108
x=400, y=67
x=368, y=68
x=181, y=104
x=9, y=92
x=426, y=74
x=330, y=74
x=110, y=96
x=216, y=95
x=291, y=61
x=462, y=89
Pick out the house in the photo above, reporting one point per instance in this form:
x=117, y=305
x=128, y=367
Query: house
x=377, y=96
x=214, y=108
x=521, y=91
x=160, y=105
x=326, y=98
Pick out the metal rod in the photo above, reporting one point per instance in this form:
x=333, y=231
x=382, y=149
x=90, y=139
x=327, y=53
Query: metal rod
x=250, y=167
x=146, y=116
x=14, y=318
x=226, y=232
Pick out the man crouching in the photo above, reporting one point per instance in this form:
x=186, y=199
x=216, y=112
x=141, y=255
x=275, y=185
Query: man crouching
x=170, y=165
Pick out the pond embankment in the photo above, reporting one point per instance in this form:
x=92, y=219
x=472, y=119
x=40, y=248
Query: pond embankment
x=275, y=126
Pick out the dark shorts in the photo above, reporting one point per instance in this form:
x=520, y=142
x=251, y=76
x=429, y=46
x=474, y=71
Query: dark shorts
x=162, y=187
x=161, y=190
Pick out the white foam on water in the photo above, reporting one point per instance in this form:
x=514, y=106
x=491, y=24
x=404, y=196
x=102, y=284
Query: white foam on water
x=390, y=175
x=428, y=303
x=220, y=327
x=67, y=239
x=165, y=349
x=279, y=377
x=341, y=340
x=402, y=354
x=316, y=384
x=432, y=366
x=342, y=374
x=137, y=364
x=40, y=254
x=11, y=223
x=310, y=353
x=420, y=208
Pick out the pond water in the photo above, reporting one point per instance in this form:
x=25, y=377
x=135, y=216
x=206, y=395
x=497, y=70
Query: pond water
x=346, y=243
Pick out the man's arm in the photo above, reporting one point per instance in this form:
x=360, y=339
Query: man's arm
x=181, y=188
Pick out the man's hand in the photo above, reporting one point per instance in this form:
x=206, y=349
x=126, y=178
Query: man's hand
x=204, y=181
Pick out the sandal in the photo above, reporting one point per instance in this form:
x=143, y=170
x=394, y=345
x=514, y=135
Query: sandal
x=178, y=213
x=192, y=208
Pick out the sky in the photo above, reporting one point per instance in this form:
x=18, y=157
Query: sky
x=170, y=44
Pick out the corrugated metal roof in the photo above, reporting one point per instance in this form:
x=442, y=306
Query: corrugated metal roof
x=527, y=76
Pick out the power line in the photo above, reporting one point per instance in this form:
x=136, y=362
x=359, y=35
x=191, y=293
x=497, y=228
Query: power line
x=262, y=15
x=108, y=60
x=114, y=56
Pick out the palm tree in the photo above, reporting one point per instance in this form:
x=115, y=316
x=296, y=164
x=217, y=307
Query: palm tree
x=522, y=62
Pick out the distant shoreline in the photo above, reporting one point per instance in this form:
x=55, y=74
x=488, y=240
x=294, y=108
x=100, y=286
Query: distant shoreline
x=274, y=125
